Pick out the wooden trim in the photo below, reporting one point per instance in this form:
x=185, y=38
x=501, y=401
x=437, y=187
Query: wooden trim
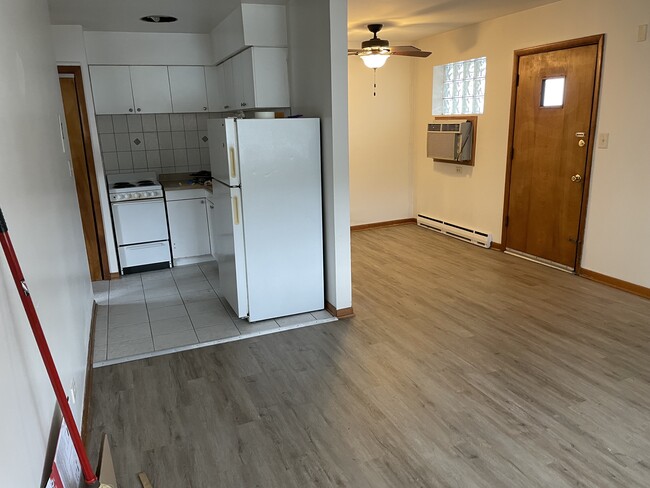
x=88, y=389
x=557, y=46
x=343, y=313
x=387, y=223
x=642, y=291
x=474, y=120
x=90, y=165
x=497, y=246
x=115, y=276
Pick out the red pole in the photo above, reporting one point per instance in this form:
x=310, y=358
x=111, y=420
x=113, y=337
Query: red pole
x=34, y=322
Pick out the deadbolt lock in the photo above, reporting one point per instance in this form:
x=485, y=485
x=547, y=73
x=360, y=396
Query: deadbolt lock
x=576, y=178
x=581, y=143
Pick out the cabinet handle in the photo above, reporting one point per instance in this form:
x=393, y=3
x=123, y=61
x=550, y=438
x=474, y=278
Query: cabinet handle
x=138, y=110
x=243, y=104
x=233, y=169
x=226, y=106
x=202, y=202
x=205, y=108
x=211, y=206
x=130, y=110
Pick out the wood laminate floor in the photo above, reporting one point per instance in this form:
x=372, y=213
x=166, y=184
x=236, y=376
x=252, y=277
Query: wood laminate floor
x=463, y=367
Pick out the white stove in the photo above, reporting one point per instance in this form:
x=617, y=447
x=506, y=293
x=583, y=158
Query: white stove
x=140, y=221
x=133, y=186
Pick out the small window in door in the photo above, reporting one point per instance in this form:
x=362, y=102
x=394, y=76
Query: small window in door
x=553, y=92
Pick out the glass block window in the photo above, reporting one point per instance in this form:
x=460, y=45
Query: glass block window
x=459, y=88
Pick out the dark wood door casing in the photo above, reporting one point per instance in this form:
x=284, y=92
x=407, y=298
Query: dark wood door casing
x=83, y=166
x=544, y=210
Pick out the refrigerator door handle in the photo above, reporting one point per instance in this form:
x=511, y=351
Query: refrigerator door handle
x=233, y=165
x=236, y=209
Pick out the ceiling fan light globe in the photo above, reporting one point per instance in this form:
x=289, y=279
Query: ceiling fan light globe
x=374, y=60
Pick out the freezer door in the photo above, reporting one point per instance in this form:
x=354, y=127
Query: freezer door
x=229, y=247
x=281, y=198
x=224, y=160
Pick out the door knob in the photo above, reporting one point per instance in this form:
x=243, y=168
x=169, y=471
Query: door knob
x=576, y=178
x=581, y=143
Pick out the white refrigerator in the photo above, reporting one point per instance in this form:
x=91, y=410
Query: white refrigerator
x=267, y=221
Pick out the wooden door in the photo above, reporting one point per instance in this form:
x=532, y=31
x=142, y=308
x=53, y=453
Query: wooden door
x=83, y=167
x=551, y=146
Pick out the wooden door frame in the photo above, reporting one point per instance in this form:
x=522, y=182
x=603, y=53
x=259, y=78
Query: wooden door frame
x=598, y=40
x=93, y=189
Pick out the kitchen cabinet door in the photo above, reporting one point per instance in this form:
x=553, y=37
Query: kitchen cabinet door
x=243, y=75
x=111, y=89
x=188, y=226
x=270, y=77
x=188, y=89
x=151, y=89
x=216, y=88
x=229, y=83
x=212, y=215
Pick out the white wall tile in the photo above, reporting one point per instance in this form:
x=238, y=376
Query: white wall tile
x=149, y=123
x=122, y=142
x=194, y=157
x=180, y=156
x=191, y=139
x=107, y=142
x=125, y=160
x=166, y=157
x=104, y=124
x=189, y=122
x=178, y=140
x=150, y=140
x=110, y=161
x=119, y=124
x=176, y=122
x=139, y=160
x=134, y=122
x=162, y=122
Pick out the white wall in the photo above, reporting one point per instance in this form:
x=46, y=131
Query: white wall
x=38, y=198
x=148, y=48
x=381, y=133
x=317, y=32
x=617, y=230
x=70, y=50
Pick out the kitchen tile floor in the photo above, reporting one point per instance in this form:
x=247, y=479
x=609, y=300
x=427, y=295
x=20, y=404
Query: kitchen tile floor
x=159, y=312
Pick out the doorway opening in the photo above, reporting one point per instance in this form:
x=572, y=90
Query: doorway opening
x=553, y=112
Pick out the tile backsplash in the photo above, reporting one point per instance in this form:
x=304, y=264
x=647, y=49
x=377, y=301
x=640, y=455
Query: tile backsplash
x=164, y=143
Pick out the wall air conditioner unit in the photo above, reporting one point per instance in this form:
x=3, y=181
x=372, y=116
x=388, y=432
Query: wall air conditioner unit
x=450, y=141
x=472, y=236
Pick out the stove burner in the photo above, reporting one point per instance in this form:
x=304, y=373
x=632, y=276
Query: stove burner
x=123, y=184
x=145, y=183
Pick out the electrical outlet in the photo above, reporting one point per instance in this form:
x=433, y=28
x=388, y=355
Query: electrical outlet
x=73, y=392
x=603, y=140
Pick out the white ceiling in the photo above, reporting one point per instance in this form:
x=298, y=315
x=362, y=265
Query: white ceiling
x=403, y=19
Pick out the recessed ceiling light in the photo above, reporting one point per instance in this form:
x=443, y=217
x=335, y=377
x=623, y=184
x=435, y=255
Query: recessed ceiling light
x=158, y=19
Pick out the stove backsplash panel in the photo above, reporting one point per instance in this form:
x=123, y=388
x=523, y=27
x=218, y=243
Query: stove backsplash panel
x=164, y=143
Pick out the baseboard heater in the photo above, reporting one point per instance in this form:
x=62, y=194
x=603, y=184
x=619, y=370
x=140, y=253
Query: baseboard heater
x=472, y=236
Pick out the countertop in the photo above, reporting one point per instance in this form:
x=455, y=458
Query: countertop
x=181, y=186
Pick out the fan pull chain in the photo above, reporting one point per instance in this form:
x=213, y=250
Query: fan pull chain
x=374, y=82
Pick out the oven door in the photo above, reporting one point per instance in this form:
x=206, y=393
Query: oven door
x=140, y=221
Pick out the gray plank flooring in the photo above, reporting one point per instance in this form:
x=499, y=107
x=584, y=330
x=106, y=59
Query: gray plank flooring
x=463, y=367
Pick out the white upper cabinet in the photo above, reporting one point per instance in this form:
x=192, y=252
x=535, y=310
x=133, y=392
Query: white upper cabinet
x=151, y=89
x=250, y=25
x=112, y=89
x=244, y=80
x=260, y=78
x=230, y=93
x=215, y=83
x=188, y=88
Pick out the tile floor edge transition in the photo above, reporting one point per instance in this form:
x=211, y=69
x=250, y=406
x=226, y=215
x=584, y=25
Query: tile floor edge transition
x=188, y=347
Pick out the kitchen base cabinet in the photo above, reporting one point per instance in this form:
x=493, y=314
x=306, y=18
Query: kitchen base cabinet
x=188, y=227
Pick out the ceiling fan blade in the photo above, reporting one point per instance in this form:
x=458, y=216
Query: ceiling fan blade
x=353, y=51
x=416, y=53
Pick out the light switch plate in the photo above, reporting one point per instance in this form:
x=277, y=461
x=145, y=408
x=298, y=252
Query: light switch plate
x=603, y=140
x=642, y=33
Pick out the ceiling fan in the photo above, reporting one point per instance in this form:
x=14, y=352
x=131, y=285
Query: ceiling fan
x=375, y=52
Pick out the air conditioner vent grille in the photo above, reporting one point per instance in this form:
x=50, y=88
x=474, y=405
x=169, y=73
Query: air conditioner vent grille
x=466, y=234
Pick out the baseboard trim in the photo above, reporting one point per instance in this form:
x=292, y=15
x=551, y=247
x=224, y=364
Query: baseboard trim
x=343, y=313
x=639, y=290
x=85, y=426
x=497, y=246
x=387, y=223
x=115, y=276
